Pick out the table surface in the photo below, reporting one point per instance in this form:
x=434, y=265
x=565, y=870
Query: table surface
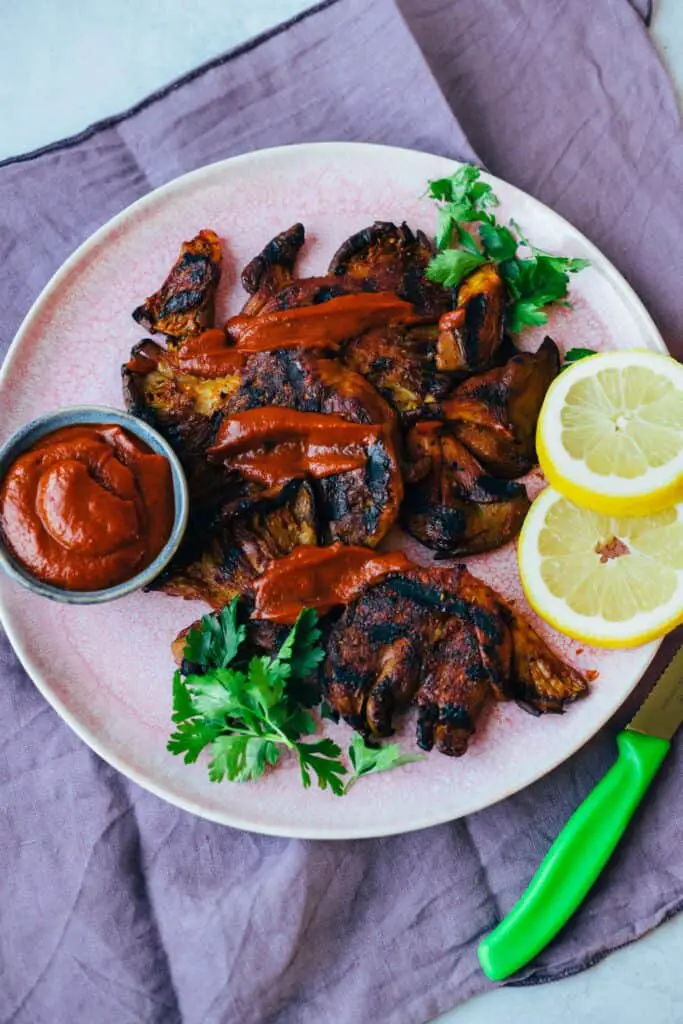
x=134, y=46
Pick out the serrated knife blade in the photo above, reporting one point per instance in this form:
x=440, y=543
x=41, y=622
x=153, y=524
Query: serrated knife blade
x=661, y=713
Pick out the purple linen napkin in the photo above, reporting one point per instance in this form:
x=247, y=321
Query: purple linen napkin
x=570, y=102
x=118, y=908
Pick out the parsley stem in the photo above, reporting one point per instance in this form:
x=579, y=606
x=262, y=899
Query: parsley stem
x=276, y=737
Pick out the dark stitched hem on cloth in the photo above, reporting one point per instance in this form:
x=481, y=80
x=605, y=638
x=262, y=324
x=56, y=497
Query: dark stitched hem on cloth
x=159, y=94
x=119, y=119
x=597, y=958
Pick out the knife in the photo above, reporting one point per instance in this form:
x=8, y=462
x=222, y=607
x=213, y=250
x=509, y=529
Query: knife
x=588, y=840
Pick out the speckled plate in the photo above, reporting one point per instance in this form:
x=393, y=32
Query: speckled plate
x=107, y=669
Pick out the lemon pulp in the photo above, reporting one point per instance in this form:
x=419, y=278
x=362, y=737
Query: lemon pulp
x=614, y=581
x=607, y=566
x=623, y=421
x=610, y=433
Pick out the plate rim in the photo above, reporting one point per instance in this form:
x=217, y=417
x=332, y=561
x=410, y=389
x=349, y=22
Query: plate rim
x=230, y=819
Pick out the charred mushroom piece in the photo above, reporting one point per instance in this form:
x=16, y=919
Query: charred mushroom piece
x=394, y=259
x=400, y=361
x=374, y=655
x=226, y=552
x=164, y=387
x=314, y=291
x=361, y=506
x=354, y=466
x=158, y=384
x=444, y=637
x=434, y=633
x=452, y=505
x=182, y=407
x=539, y=678
x=272, y=269
x=303, y=381
x=184, y=304
x=357, y=507
x=471, y=334
x=495, y=413
x=463, y=671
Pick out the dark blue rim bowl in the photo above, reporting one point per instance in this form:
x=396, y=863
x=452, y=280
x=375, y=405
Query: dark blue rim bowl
x=27, y=436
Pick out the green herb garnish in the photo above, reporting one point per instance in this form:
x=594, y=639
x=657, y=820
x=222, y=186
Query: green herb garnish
x=450, y=266
x=243, y=709
x=533, y=280
x=365, y=759
x=327, y=712
x=248, y=710
x=575, y=354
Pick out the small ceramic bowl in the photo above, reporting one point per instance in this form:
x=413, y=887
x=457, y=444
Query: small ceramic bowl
x=77, y=415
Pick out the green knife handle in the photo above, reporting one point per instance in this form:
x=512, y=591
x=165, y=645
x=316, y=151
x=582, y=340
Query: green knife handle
x=575, y=859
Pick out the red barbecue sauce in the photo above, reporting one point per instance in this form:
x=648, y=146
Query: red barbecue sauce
x=323, y=326
x=87, y=507
x=320, y=578
x=218, y=352
x=208, y=355
x=272, y=445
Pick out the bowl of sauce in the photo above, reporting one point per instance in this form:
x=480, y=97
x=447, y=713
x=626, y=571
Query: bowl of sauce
x=93, y=505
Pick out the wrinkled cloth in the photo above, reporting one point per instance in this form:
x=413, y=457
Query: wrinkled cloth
x=118, y=908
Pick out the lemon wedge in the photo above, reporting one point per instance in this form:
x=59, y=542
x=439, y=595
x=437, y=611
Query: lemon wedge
x=610, y=433
x=610, y=581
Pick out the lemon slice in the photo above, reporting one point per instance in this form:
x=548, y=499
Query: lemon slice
x=610, y=433
x=606, y=580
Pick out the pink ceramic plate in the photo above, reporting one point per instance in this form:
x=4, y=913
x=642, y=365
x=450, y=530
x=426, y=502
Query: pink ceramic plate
x=107, y=669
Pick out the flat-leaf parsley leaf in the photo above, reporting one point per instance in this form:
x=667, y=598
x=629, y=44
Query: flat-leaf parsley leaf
x=365, y=759
x=216, y=642
x=242, y=708
x=451, y=266
x=533, y=280
x=575, y=354
x=247, y=709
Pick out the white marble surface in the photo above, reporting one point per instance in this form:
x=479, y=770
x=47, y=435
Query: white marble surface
x=67, y=64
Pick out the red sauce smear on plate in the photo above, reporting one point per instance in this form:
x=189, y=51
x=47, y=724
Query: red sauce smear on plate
x=320, y=578
x=272, y=445
x=87, y=507
x=324, y=326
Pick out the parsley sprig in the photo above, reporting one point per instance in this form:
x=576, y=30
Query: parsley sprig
x=367, y=760
x=534, y=279
x=242, y=708
x=574, y=355
x=247, y=710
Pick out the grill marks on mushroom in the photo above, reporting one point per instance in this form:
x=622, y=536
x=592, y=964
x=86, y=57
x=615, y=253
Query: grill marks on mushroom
x=444, y=639
x=458, y=406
